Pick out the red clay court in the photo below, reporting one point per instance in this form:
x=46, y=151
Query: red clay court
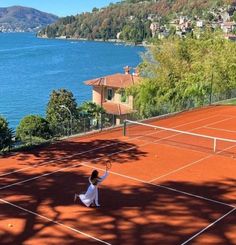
x=165, y=187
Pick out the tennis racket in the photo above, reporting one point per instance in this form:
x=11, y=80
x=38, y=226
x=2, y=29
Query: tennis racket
x=108, y=164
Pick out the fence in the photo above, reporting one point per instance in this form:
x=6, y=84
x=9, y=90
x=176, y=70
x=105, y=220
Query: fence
x=87, y=124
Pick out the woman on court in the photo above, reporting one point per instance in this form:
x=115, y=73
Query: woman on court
x=90, y=198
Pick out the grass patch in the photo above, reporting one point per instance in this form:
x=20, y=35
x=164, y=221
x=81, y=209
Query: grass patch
x=228, y=102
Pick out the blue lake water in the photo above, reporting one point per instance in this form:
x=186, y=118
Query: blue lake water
x=31, y=68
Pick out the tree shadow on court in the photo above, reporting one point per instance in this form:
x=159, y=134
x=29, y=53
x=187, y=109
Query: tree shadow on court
x=131, y=212
x=83, y=151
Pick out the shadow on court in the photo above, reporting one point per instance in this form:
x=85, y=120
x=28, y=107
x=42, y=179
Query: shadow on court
x=66, y=151
x=131, y=212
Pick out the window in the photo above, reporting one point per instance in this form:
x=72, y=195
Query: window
x=123, y=97
x=109, y=94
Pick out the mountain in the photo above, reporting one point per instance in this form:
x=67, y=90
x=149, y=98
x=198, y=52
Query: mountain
x=17, y=18
x=130, y=20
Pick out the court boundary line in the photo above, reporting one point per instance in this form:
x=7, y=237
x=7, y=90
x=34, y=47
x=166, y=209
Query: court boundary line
x=179, y=147
x=98, y=158
x=76, y=154
x=209, y=226
x=192, y=163
x=122, y=175
x=180, y=168
x=68, y=167
x=54, y=221
x=126, y=176
x=221, y=129
x=138, y=180
x=163, y=186
x=129, y=177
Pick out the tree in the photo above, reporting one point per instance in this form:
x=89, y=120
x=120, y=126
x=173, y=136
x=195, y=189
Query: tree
x=210, y=16
x=6, y=134
x=234, y=16
x=59, y=100
x=32, y=128
x=177, y=76
x=95, y=9
x=92, y=111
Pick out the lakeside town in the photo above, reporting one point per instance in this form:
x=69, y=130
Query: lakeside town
x=221, y=18
x=131, y=142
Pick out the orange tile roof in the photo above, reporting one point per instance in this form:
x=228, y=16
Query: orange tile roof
x=116, y=81
x=116, y=109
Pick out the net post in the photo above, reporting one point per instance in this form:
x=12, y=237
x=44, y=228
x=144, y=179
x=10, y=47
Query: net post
x=124, y=128
x=214, y=144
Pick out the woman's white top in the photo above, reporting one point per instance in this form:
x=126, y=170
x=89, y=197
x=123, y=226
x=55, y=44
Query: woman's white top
x=91, y=193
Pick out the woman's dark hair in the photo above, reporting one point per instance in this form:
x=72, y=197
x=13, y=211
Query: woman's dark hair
x=94, y=174
x=94, y=177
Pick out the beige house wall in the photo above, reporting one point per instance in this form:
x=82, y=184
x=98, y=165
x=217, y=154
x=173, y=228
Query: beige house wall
x=117, y=97
x=100, y=93
x=97, y=94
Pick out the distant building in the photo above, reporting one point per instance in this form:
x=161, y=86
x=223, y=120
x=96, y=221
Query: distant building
x=109, y=93
x=228, y=27
x=155, y=27
x=131, y=17
x=231, y=37
x=200, y=23
x=225, y=16
x=152, y=17
x=118, y=35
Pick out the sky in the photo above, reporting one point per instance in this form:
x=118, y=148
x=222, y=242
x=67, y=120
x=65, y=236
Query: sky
x=59, y=7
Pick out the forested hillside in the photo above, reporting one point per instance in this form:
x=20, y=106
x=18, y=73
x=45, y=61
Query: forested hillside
x=129, y=20
x=17, y=18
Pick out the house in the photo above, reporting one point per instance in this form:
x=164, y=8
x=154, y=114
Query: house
x=228, y=27
x=231, y=37
x=200, y=23
x=109, y=93
x=225, y=16
x=155, y=27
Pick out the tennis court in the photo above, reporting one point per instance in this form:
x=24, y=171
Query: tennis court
x=172, y=182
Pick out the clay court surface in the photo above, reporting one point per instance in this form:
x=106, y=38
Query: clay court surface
x=162, y=189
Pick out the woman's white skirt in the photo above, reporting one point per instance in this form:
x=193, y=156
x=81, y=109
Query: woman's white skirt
x=89, y=197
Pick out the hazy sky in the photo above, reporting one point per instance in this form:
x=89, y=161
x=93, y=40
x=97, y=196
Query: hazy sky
x=59, y=7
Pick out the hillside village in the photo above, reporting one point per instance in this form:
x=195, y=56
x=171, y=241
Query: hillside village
x=221, y=18
x=137, y=22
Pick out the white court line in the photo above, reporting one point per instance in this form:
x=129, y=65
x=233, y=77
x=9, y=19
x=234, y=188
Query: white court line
x=84, y=164
x=157, y=141
x=221, y=129
x=162, y=186
x=227, y=115
x=191, y=163
x=122, y=175
x=73, y=155
x=55, y=160
x=181, y=168
x=54, y=221
x=210, y=225
x=115, y=174
x=68, y=167
x=76, y=154
x=95, y=159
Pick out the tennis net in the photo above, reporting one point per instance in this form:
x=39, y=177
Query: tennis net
x=171, y=136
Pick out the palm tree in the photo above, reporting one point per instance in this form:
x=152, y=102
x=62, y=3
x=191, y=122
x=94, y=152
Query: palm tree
x=92, y=111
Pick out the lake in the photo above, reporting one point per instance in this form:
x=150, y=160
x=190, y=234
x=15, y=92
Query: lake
x=31, y=68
